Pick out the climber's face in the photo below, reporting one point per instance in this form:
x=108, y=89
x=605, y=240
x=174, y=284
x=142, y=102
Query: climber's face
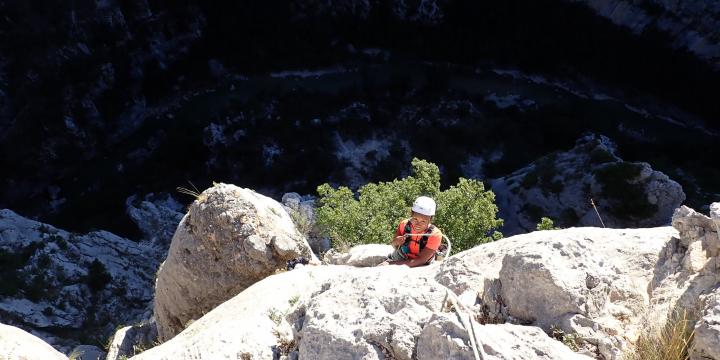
x=419, y=222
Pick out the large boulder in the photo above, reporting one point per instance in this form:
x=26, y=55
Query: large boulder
x=19, y=344
x=586, y=281
x=230, y=238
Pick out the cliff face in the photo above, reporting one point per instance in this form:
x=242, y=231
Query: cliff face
x=77, y=78
x=691, y=25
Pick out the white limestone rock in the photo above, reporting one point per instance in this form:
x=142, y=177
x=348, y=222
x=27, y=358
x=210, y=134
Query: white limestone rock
x=587, y=281
x=230, y=238
x=17, y=344
x=370, y=312
x=445, y=337
x=360, y=255
x=250, y=325
x=596, y=285
x=706, y=343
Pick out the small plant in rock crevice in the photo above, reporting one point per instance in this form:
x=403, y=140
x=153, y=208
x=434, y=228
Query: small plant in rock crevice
x=573, y=341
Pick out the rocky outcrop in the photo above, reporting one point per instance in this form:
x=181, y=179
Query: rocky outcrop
x=588, y=283
x=688, y=277
x=129, y=340
x=68, y=288
x=597, y=290
x=157, y=217
x=690, y=266
x=692, y=25
x=428, y=12
x=706, y=343
x=251, y=325
x=495, y=341
x=302, y=212
x=339, y=312
x=561, y=185
x=19, y=344
x=230, y=238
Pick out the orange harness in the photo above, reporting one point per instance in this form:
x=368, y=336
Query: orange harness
x=407, y=247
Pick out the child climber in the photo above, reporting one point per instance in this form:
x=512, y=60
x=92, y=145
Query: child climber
x=416, y=239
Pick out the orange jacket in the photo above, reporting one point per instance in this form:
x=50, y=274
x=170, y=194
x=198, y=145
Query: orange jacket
x=433, y=241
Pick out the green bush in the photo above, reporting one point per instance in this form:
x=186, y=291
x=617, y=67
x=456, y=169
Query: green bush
x=98, y=276
x=546, y=224
x=628, y=200
x=466, y=212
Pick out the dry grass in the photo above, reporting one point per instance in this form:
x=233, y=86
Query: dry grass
x=669, y=342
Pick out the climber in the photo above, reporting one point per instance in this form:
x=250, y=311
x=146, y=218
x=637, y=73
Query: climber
x=416, y=239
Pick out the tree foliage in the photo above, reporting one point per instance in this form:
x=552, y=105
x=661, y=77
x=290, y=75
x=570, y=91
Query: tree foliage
x=466, y=213
x=546, y=223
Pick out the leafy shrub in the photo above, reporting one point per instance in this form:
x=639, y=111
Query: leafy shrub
x=97, y=277
x=466, y=212
x=37, y=288
x=628, y=201
x=600, y=155
x=571, y=340
x=546, y=224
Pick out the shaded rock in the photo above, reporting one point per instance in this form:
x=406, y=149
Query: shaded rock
x=360, y=255
x=18, y=344
x=87, y=352
x=673, y=17
x=302, y=212
x=157, y=217
x=126, y=340
x=66, y=281
x=230, y=238
x=560, y=186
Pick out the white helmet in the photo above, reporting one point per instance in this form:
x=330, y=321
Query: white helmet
x=424, y=205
